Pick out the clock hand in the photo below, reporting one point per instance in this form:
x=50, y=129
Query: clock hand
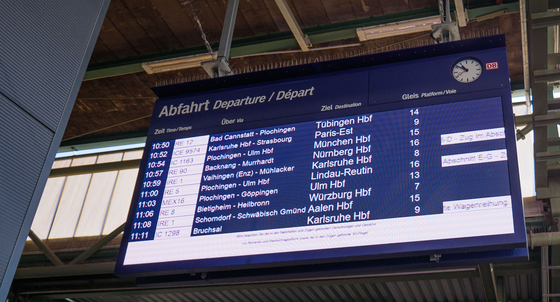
x=462, y=67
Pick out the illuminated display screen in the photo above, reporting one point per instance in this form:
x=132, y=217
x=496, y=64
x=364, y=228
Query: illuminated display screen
x=356, y=163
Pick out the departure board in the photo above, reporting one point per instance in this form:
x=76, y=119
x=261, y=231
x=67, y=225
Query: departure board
x=349, y=163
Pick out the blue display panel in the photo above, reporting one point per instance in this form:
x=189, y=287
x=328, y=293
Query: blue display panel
x=355, y=163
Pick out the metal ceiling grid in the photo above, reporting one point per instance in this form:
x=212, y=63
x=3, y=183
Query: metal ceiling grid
x=455, y=289
x=522, y=288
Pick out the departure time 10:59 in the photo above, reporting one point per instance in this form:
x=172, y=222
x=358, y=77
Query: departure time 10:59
x=152, y=183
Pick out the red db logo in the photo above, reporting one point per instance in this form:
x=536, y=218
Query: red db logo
x=493, y=65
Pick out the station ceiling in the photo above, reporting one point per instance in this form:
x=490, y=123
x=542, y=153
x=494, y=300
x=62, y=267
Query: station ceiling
x=115, y=100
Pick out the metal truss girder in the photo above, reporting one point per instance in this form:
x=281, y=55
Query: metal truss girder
x=492, y=15
x=523, y=119
x=483, y=12
x=541, y=120
x=553, y=171
x=522, y=132
x=546, y=156
x=461, y=13
x=301, y=38
x=549, y=119
x=96, y=247
x=228, y=27
x=516, y=268
x=71, y=268
x=538, y=43
x=219, y=66
x=546, y=75
x=545, y=19
x=544, y=273
x=488, y=281
x=65, y=271
x=543, y=239
x=554, y=141
x=553, y=58
x=554, y=271
x=554, y=104
x=45, y=249
x=551, y=191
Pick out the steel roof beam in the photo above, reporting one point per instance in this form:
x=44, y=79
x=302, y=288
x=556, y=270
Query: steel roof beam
x=96, y=247
x=462, y=17
x=489, y=282
x=45, y=249
x=105, y=167
x=301, y=38
x=539, y=62
x=219, y=67
x=65, y=270
x=545, y=19
x=546, y=75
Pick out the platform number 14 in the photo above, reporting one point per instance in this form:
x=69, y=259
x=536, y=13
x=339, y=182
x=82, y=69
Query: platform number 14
x=414, y=164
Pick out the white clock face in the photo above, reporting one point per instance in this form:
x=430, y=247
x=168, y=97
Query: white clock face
x=466, y=70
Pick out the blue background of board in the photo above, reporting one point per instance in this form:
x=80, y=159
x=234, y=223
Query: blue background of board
x=378, y=85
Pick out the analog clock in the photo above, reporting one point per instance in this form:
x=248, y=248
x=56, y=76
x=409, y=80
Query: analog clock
x=466, y=70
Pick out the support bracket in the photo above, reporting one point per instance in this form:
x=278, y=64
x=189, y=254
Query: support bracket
x=447, y=30
x=219, y=66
